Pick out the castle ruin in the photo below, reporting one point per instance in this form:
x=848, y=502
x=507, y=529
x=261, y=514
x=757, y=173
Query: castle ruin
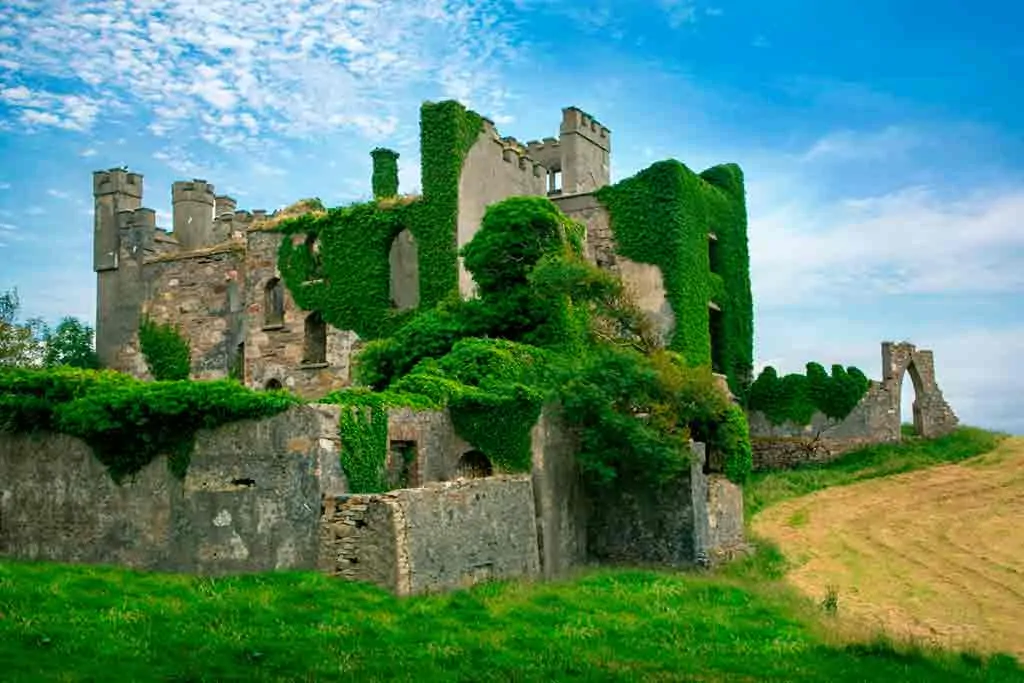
x=215, y=273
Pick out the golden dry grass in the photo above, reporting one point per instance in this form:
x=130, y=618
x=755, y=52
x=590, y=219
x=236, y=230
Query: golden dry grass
x=934, y=555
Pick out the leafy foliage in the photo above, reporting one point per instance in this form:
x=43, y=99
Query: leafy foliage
x=363, y=428
x=662, y=216
x=71, y=344
x=167, y=353
x=20, y=343
x=127, y=422
x=795, y=398
x=337, y=262
x=385, y=173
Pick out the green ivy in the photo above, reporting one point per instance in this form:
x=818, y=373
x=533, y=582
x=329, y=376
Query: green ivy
x=795, y=398
x=385, y=173
x=128, y=422
x=167, y=352
x=348, y=279
x=662, y=216
x=363, y=428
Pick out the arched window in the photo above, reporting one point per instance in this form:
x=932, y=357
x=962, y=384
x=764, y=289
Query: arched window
x=273, y=385
x=473, y=465
x=315, y=347
x=273, y=303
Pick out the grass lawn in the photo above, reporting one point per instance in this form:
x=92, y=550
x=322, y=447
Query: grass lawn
x=79, y=623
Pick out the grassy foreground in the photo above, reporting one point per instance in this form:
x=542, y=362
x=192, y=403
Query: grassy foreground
x=767, y=488
x=78, y=623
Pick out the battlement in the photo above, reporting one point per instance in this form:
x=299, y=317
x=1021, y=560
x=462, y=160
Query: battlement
x=193, y=191
x=575, y=120
x=224, y=205
x=513, y=156
x=117, y=181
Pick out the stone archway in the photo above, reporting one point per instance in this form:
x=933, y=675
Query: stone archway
x=932, y=415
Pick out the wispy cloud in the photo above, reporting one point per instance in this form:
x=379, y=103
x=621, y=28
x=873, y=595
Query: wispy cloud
x=230, y=71
x=887, y=143
x=913, y=241
x=760, y=42
x=679, y=12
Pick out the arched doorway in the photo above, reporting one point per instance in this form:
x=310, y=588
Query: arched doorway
x=474, y=465
x=273, y=385
x=911, y=423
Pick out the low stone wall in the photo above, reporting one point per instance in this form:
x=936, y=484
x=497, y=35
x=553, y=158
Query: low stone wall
x=249, y=502
x=442, y=536
x=873, y=420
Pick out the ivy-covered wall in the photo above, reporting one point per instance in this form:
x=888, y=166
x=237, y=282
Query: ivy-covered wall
x=663, y=216
x=337, y=263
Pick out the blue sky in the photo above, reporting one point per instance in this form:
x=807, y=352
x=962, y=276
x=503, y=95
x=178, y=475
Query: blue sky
x=882, y=142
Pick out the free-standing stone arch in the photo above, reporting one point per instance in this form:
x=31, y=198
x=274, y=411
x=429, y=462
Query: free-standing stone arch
x=932, y=415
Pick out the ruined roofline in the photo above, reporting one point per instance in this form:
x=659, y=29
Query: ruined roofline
x=513, y=151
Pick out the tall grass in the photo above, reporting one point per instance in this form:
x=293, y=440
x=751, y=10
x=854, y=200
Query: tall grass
x=78, y=623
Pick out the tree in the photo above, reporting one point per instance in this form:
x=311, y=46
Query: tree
x=20, y=343
x=71, y=343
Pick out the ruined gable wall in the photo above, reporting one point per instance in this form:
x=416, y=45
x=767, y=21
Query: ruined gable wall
x=495, y=168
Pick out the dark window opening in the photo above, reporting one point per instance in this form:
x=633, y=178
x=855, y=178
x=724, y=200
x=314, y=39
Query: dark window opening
x=401, y=466
x=714, y=255
x=273, y=303
x=273, y=385
x=716, y=331
x=315, y=347
x=474, y=465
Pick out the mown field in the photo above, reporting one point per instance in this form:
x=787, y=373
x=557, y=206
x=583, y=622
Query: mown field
x=935, y=555
x=743, y=623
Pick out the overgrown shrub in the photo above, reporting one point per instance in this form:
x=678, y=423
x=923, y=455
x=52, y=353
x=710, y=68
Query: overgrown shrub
x=168, y=354
x=795, y=398
x=128, y=422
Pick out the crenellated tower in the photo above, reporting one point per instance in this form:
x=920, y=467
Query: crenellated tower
x=585, y=147
x=193, y=203
x=122, y=230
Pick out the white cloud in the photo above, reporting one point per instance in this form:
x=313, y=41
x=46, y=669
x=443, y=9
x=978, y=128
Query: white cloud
x=680, y=12
x=871, y=146
x=5, y=186
x=59, y=194
x=760, y=42
x=913, y=241
x=293, y=67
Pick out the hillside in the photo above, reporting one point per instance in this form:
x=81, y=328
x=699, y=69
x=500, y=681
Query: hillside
x=935, y=554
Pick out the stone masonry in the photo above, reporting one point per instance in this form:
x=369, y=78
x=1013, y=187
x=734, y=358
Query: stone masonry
x=876, y=419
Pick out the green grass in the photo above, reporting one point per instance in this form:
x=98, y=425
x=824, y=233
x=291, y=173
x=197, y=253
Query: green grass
x=80, y=623
x=766, y=488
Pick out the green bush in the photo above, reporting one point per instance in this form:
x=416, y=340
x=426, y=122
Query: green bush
x=167, y=353
x=795, y=398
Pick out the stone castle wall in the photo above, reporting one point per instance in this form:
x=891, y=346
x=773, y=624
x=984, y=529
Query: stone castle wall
x=270, y=495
